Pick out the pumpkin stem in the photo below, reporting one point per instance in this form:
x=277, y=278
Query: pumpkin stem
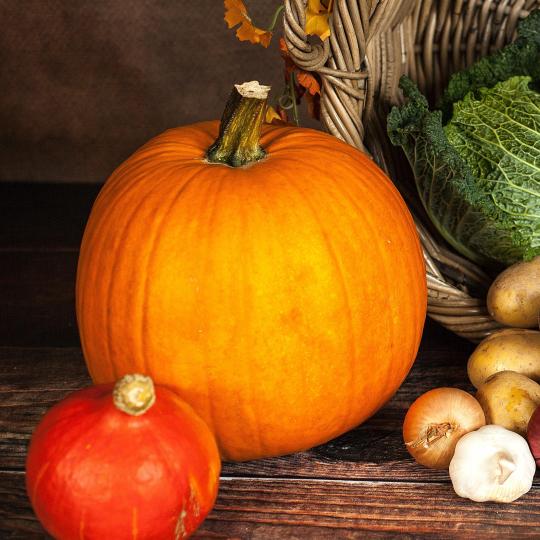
x=134, y=394
x=238, y=140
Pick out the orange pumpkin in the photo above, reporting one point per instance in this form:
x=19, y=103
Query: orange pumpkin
x=280, y=289
x=122, y=462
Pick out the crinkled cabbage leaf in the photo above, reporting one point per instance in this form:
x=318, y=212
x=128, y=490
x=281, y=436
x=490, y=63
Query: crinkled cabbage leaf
x=478, y=175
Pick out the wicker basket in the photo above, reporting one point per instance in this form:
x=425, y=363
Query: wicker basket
x=372, y=43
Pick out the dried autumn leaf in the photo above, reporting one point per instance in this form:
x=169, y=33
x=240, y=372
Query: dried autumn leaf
x=309, y=82
x=271, y=115
x=317, y=13
x=289, y=64
x=236, y=13
x=314, y=106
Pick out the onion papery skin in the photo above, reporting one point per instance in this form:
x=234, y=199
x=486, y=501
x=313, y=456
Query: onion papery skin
x=442, y=410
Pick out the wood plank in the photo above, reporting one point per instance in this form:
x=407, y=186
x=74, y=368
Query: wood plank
x=288, y=508
x=17, y=519
x=37, y=292
x=34, y=379
x=279, y=508
x=44, y=216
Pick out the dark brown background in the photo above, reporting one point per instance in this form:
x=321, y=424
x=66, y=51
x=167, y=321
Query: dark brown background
x=84, y=83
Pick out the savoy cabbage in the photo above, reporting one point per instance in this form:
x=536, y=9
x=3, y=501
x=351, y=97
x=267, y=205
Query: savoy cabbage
x=476, y=159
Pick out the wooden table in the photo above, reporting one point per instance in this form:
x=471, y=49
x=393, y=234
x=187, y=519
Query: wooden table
x=363, y=484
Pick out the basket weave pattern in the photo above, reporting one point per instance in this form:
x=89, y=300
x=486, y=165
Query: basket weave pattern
x=374, y=42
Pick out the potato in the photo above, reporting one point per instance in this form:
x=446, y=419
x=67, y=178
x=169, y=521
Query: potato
x=509, y=400
x=514, y=297
x=512, y=349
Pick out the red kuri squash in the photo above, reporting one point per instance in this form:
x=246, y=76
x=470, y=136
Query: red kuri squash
x=278, y=284
x=136, y=462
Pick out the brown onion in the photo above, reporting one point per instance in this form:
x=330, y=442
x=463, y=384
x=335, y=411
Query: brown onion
x=533, y=435
x=436, y=421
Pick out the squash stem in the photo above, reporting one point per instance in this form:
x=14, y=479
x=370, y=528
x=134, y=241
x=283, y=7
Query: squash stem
x=134, y=394
x=237, y=144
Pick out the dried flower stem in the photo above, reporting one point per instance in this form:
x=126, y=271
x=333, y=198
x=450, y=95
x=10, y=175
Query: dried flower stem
x=434, y=432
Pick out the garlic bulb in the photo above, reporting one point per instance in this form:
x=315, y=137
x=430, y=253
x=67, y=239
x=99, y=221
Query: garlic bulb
x=492, y=464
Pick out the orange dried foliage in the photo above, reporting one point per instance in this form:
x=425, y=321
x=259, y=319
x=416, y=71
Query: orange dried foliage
x=304, y=78
x=236, y=13
x=317, y=13
x=271, y=116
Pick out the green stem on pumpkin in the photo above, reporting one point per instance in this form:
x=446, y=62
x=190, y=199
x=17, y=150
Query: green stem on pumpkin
x=134, y=394
x=240, y=129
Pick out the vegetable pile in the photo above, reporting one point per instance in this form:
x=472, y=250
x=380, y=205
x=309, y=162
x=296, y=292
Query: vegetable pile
x=476, y=162
x=444, y=428
x=272, y=296
x=476, y=159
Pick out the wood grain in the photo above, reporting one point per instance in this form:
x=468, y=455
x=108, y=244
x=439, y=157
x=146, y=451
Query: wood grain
x=326, y=509
x=17, y=520
x=292, y=508
x=32, y=381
